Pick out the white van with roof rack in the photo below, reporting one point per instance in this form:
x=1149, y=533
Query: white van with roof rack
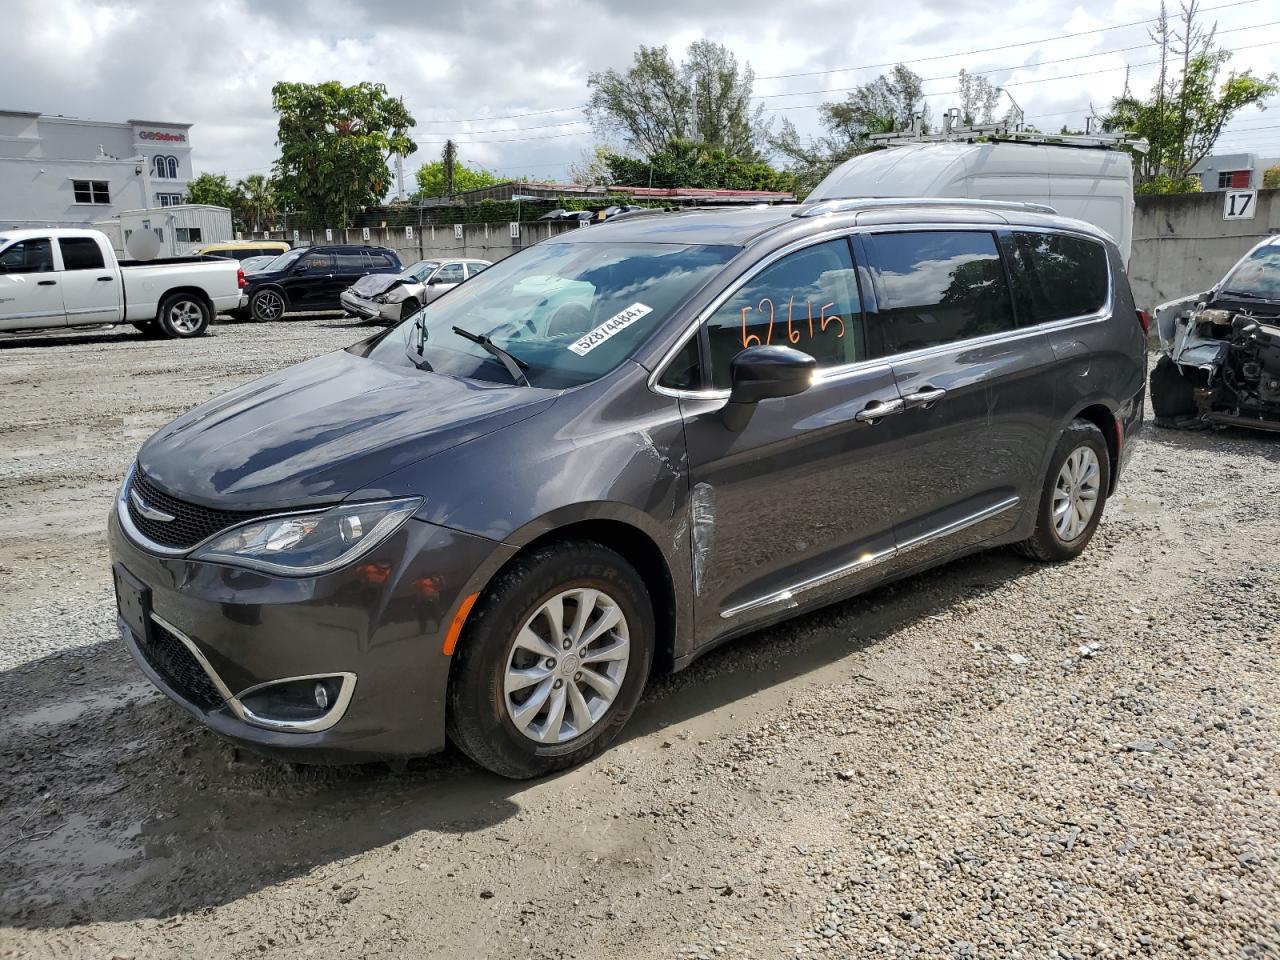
x=1087, y=177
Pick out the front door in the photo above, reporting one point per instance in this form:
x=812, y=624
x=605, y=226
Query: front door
x=974, y=388
x=444, y=280
x=30, y=295
x=800, y=504
x=90, y=291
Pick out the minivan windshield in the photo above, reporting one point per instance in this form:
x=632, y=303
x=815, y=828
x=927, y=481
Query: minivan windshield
x=1258, y=276
x=567, y=312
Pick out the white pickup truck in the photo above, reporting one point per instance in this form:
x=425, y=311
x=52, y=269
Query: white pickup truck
x=71, y=278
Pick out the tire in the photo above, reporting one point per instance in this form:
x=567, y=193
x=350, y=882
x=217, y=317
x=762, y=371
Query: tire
x=481, y=714
x=1172, y=394
x=1049, y=543
x=409, y=308
x=267, y=305
x=182, y=316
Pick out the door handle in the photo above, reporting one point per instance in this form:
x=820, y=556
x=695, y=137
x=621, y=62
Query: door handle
x=104, y=279
x=46, y=283
x=924, y=397
x=877, y=409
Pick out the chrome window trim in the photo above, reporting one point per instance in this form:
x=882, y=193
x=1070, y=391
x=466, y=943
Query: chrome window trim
x=868, y=560
x=321, y=723
x=828, y=374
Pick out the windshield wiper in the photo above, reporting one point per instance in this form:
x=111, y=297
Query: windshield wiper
x=1243, y=295
x=515, y=366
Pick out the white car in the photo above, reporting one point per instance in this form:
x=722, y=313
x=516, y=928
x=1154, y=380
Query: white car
x=390, y=296
x=71, y=278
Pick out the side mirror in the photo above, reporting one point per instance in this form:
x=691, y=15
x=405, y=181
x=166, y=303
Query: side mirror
x=764, y=373
x=299, y=271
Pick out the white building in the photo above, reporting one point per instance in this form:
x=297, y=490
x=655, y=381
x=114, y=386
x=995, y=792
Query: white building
x=182, y=229
x=64, y=172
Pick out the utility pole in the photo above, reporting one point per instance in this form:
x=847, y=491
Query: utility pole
x=450, y=157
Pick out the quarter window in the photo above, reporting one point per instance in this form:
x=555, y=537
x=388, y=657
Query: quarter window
x=938, y=287
x=80, y=253
x=28, y=256
x=1056, y=276
x=684, y=372
x=91, y=191
x=808, y=300
x=351, y=262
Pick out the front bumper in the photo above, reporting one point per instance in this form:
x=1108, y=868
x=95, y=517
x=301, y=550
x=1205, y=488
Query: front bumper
x=369, y=309
x=225, y=631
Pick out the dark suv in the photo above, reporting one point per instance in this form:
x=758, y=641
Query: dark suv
x=311, y=278
x=615, y=449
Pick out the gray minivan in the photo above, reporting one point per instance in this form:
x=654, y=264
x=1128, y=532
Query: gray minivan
x=612, y=451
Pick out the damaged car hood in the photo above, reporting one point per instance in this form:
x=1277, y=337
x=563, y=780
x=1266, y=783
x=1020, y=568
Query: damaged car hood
x=377, y=283
x=319, y=431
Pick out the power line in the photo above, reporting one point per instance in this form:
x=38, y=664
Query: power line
x=1007, y=46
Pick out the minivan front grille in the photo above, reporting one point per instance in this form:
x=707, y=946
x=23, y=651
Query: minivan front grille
x=191, y=523
x=178, y=667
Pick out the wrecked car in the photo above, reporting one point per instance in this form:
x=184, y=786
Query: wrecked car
x=390, y=297
x=610, y=452
x=1221, y=362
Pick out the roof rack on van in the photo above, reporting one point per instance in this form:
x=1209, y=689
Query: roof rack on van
x=1003, y=133
x=821, y=207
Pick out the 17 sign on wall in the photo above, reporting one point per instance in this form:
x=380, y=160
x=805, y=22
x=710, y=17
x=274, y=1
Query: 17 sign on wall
x=1239, y=204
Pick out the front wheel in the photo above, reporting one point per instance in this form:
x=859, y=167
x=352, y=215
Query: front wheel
x=182, y=316
x=552, y=662
x=267, y=305
x=1073, y=496
x=409, y=308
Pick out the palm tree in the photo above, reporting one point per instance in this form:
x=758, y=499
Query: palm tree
x=257, y=196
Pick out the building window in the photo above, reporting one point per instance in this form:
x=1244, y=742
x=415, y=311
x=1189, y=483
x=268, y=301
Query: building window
x=91, y=191
x=1234, y=179
x=164, y=168
x=168, y=199
x=187, y=234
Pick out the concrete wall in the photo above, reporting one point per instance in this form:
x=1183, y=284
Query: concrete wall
x=483, y=241
x=1181, y=244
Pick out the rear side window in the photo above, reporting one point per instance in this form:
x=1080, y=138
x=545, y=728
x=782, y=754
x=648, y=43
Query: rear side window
x=808, y=300
x=80, y=253
x=937, y=287
x=1056, y=276
x=351, y=262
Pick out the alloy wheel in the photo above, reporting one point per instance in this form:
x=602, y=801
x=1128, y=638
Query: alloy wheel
x=268, y=306
x=1075, y=493
x=566, y=665
x=185, y=316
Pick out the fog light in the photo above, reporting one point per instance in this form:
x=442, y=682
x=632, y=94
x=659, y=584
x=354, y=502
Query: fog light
x=322, y=696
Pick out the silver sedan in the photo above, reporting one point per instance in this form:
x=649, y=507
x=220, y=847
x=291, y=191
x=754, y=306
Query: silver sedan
x=388, y=297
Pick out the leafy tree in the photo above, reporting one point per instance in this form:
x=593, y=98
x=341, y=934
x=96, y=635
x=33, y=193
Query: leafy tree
x=707, y=99
x=335, y=142
x=432, y=179
x=212, y=188
x=687, y=163
x=1189, y=106
x=592, y=167
x=1271, y=178
x=256, y=201
x=978, y=98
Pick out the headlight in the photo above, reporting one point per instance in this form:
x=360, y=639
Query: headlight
x=307, y=544
x=380, y=298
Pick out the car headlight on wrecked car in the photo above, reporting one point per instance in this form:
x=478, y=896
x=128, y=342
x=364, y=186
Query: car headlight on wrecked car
x=308, y=544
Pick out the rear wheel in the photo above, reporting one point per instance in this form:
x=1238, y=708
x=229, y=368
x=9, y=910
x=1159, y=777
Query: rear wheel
x=267, y=305
x=552, y=662
x=182, y=316
x=1073, y=496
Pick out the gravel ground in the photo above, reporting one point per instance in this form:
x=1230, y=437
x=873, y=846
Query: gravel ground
x=995, y=759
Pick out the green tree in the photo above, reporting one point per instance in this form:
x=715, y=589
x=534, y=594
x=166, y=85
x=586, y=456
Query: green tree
x=335, y=142
x=978, y=98
x=432, y=179
x=1189, y=106
x=212, y=188
x=256, y=201
x=1271, y=178
x=706, y=99
x=687, y=163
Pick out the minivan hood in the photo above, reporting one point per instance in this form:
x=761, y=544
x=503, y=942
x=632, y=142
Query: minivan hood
x=318, y=431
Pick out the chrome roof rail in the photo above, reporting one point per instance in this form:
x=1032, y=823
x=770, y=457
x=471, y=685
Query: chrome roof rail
x=820, y=208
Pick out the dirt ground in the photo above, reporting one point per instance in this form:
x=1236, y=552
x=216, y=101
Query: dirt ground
x=993, y=759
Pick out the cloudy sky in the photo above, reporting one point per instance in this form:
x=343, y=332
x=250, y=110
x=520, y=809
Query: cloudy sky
x=507, y=80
